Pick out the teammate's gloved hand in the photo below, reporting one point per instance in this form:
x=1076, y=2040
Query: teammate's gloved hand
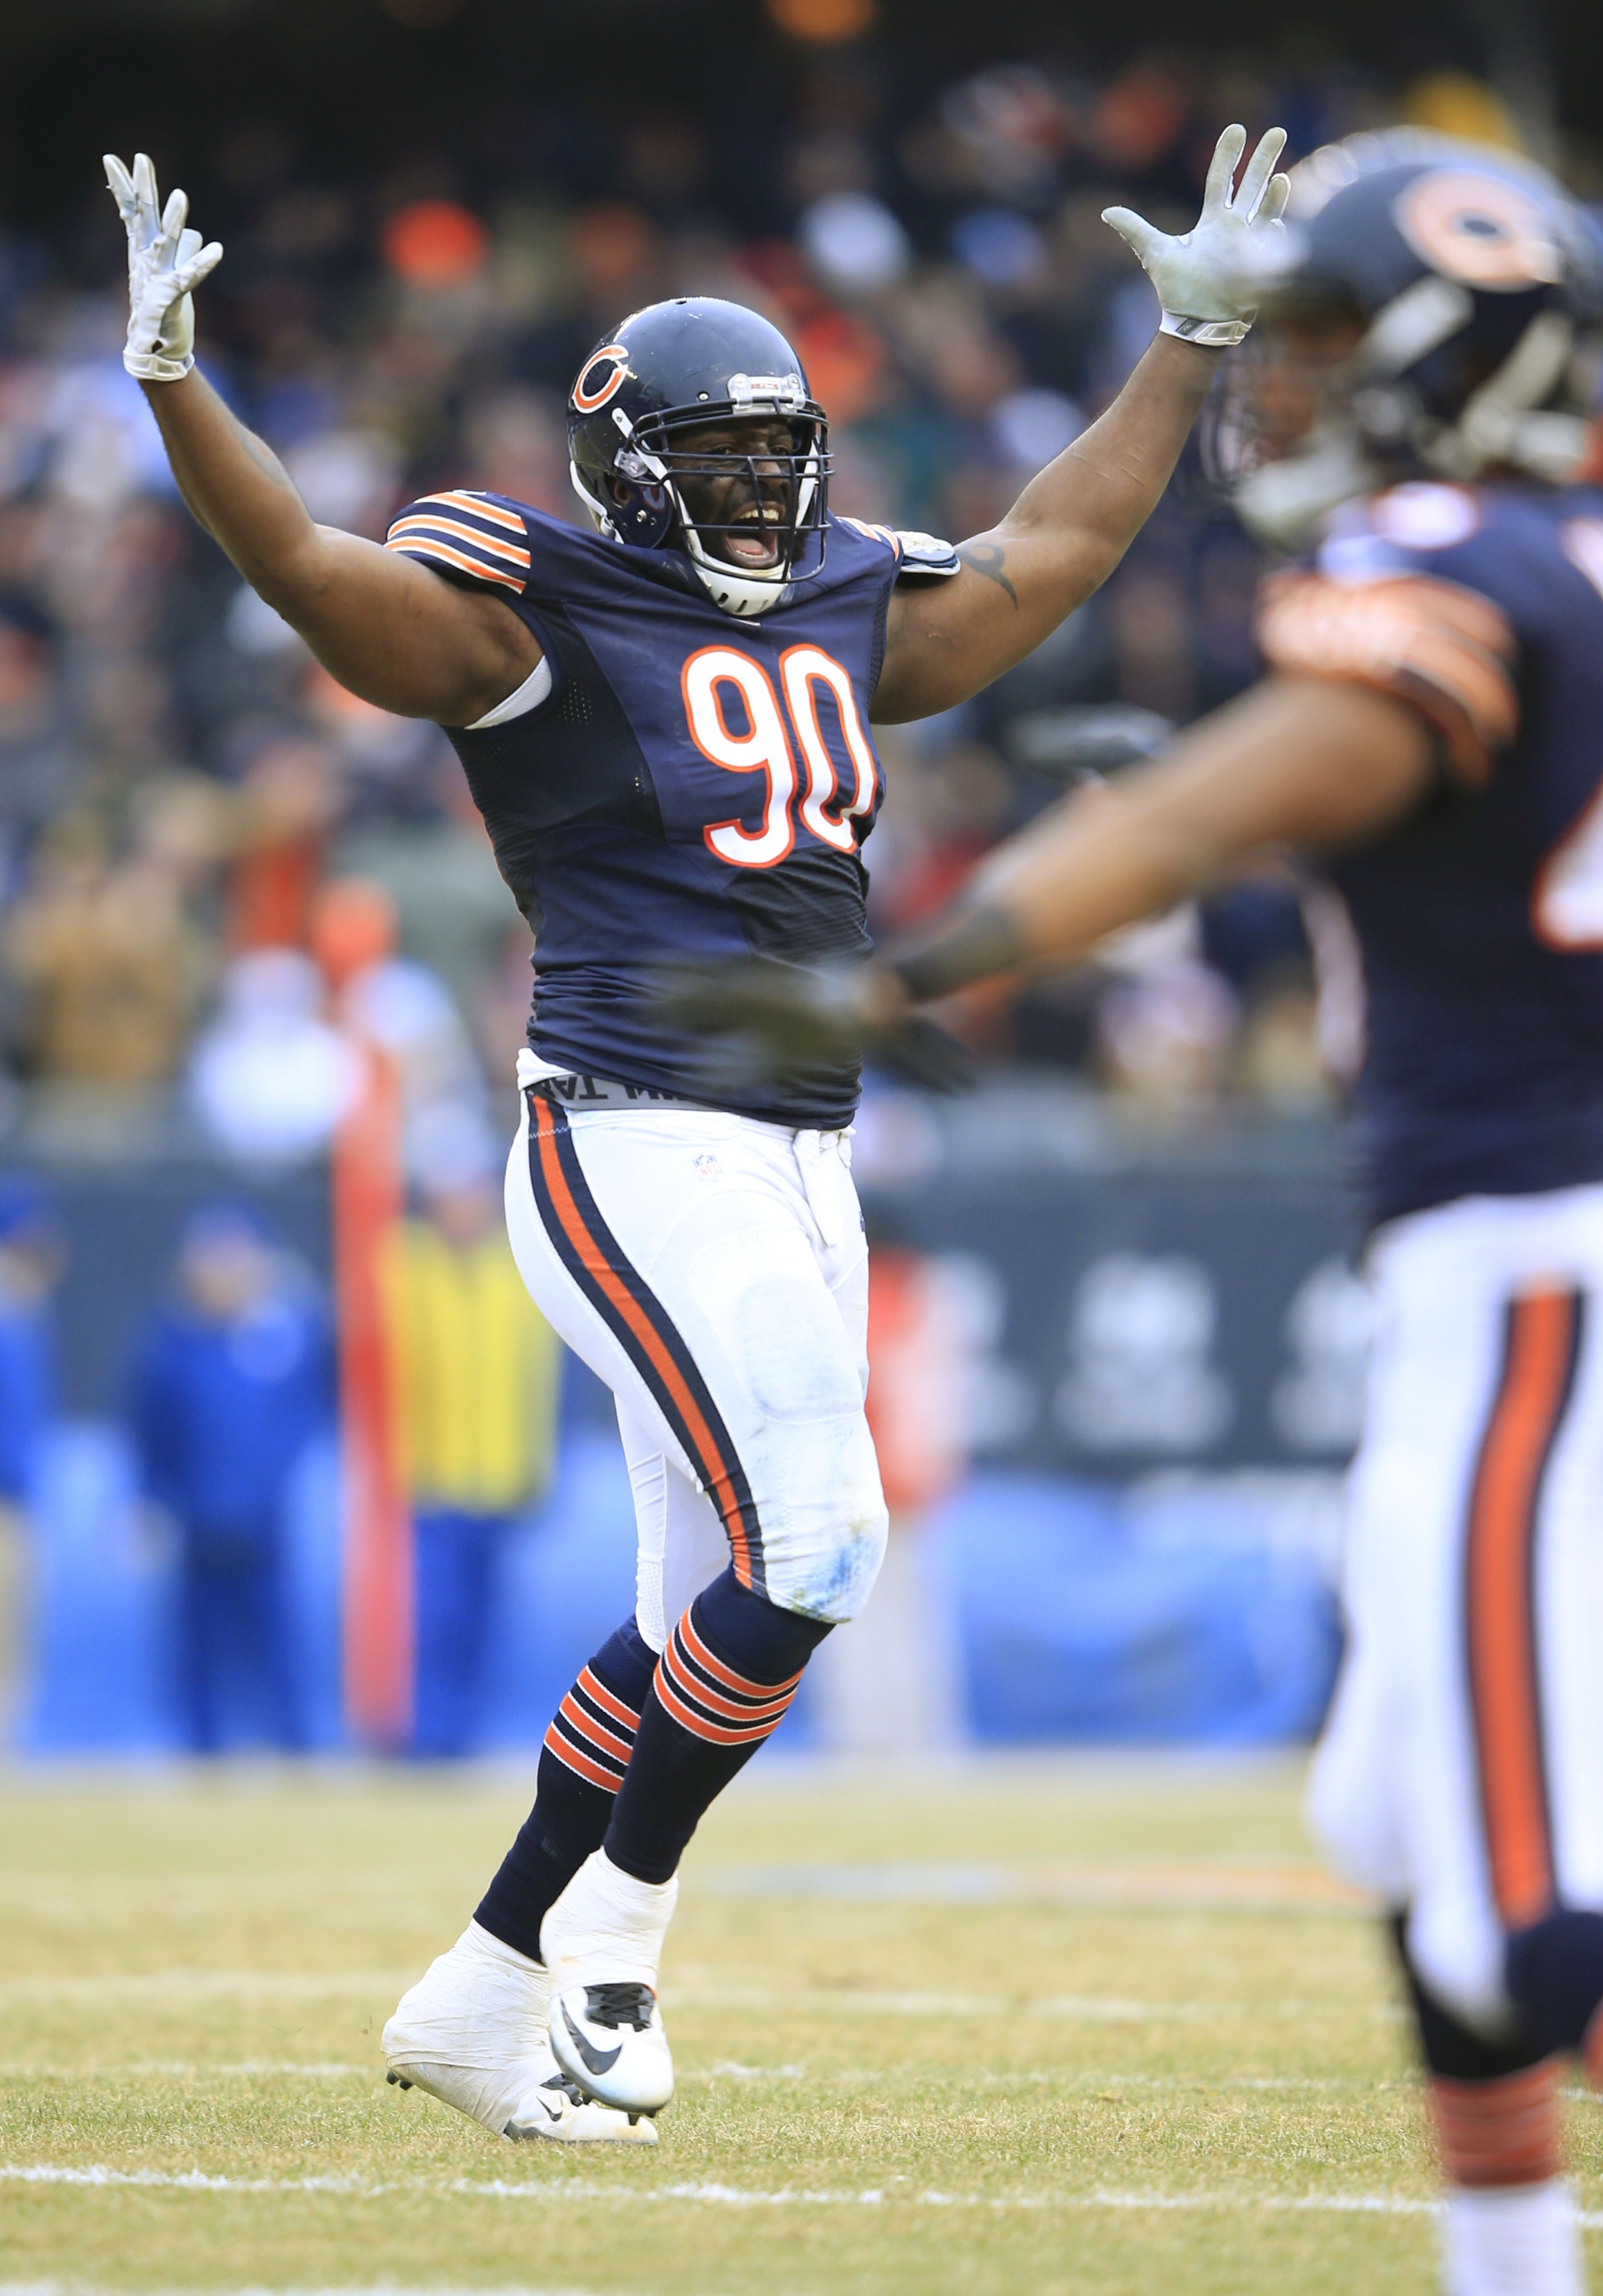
x=1209, y=281
x=774, y=1022
x=165, y=261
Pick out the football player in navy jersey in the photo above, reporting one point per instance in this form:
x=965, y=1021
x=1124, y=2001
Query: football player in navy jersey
x=664, y=719
x=1432, y=725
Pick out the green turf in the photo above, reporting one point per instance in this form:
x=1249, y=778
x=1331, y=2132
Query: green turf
x=1164, y=2056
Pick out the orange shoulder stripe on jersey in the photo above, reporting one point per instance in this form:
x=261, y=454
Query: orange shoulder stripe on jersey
x=463, y=500
x=435, y=521
x=425, y=546
x=1447, y=650
x=701, y=1444
x=1505, y=1691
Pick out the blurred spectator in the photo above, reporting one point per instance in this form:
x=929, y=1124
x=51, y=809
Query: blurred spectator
x=235, y=1376
x=30, y=1267
x=936, y=252
x=108, y=966
x=270, y=1078
x=478, y=1371
x=398, y=1006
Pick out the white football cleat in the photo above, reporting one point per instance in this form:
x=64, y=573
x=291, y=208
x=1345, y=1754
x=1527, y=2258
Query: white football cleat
x=602, y=1943
x=472, y=2032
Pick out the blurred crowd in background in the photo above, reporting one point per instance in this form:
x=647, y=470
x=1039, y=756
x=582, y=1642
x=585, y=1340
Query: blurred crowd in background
x=180, y=784
x=221, y=875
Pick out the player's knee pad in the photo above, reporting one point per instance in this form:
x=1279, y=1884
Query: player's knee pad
x=824, y=1529
x=1494, y=2103
x=1555, y=1976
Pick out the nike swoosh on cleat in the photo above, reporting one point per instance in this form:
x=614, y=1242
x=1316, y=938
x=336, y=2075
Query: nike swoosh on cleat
x=597, y=2061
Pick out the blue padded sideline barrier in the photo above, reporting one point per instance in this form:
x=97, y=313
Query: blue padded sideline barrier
x=1071, y=1625
x=98, y=1603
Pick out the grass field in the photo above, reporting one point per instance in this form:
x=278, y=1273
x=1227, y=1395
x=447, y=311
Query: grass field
x=1028, y=2027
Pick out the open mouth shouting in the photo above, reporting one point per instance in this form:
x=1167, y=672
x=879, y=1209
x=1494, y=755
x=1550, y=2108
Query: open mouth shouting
x=753, y=539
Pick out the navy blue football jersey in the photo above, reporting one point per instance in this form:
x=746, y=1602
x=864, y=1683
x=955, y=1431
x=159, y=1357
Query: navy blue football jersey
x=1480, y=917
x=692, y=787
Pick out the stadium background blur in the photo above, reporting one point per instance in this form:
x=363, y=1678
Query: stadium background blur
x=1117, y=1334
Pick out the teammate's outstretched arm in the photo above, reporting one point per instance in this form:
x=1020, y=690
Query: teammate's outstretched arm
x=1074, y=522
x=385, y=627
x=1312, y=763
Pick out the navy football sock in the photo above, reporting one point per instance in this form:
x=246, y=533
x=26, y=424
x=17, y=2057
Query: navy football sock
x=731, y=1668
x=1555, y=1971
x=582, y=1763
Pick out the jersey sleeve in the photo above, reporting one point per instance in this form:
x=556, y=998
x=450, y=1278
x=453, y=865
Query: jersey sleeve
x=912, y=553
x=478, y=540
x=1450, y=651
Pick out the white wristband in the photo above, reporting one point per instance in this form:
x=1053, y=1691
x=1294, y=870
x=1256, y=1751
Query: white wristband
x=1211, y=334
x=151, y=366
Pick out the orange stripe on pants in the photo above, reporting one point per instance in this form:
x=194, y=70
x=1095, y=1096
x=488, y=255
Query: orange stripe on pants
x=702, y=1446
x=1504, y=1690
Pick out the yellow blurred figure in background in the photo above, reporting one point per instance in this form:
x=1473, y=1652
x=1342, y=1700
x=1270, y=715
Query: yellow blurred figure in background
x=478, y=1374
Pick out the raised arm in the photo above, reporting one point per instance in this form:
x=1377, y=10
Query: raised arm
x=385, y=627
x=1311, y=762
x=1074, y=522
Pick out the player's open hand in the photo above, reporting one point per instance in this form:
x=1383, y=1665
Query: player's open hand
x=774, y=1023
x=1210, y=282
x=165, y=262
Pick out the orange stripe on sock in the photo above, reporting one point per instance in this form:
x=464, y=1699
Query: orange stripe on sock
x=714, y=1473
x=588, y=1728
x=771, y=1710
x=731, y=1681
x=581, y=1764
x=1499, y=2132
x=594, y=1688
x=1501, y=1627
x=715, y=1734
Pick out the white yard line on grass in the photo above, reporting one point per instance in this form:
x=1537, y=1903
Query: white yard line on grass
x=734, y=2196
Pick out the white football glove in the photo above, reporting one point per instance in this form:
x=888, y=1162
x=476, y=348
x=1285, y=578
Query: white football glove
x=1209, y=281
x=165, y=261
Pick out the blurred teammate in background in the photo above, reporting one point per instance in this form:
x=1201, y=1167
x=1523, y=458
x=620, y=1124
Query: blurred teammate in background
x=664, y=723
x=1431, y=726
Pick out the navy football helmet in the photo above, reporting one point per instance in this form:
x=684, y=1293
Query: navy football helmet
x=668, y=370
x=1474, y=286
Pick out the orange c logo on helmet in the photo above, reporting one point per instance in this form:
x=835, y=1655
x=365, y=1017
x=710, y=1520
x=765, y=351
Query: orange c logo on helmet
x=613, y=358
x=1479, y=230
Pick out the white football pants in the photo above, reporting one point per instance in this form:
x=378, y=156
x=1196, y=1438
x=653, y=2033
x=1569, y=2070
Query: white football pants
x=713, y=1270
x=1461, y=1770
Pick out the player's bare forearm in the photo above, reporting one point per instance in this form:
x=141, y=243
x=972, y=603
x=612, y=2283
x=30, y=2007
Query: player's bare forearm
x=1307, y=763
x=386, y=627
x=1060, y=541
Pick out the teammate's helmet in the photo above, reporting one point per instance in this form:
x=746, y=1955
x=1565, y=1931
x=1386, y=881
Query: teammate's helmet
x=667, y=370
x=1475, y=278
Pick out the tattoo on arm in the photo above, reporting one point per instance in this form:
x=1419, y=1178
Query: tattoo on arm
x=987, y=557
x=976, y=944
